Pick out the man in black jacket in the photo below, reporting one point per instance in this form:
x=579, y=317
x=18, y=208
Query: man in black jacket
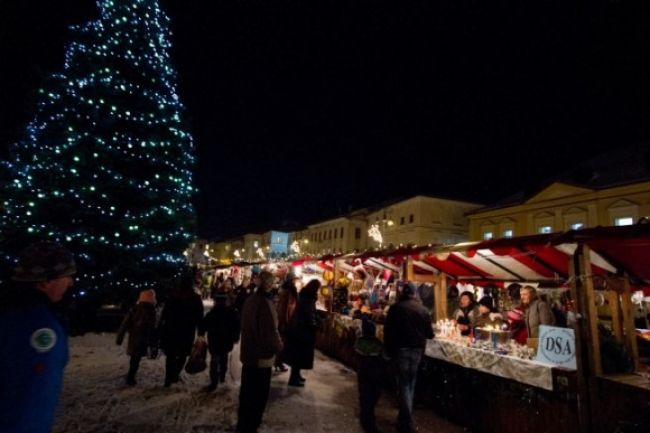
x=222, y=326
x=406, y=330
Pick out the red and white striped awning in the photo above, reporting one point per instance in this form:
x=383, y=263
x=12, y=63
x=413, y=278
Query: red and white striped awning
x=544, y=257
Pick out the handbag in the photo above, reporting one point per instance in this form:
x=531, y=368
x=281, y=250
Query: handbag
x=196, y=363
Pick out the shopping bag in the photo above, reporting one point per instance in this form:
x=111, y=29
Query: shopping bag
x=196, y=363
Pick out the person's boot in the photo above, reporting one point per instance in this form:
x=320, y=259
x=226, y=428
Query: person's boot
x=281, y=368
x=369, y=426
x=294, y=379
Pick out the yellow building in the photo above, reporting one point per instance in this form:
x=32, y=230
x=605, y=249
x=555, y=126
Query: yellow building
x=224, y=251
x=344, y=234
x=252, y=242
x=561, y=207
x=421, y=220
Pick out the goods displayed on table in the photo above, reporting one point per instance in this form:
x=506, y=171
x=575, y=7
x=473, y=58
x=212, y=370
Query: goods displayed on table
x=489, y=339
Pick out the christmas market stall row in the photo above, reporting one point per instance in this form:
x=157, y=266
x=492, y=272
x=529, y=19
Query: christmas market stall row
x=560, y=332
x=533, y=334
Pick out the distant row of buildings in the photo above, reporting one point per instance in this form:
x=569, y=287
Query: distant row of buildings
x=610, y=190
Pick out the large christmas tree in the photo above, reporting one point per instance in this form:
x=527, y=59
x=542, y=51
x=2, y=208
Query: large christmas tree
x=106, y=165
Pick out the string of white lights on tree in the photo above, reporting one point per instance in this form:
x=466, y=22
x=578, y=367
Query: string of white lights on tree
x=107, y=163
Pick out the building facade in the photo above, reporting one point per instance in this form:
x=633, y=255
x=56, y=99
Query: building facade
x=252, y=241
x=339, y=235
x=418, y=220
x=275, y=243
x=421, y=220
x=562, y=207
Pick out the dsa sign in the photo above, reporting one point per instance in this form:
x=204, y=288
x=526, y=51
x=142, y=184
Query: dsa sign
x=557, y=346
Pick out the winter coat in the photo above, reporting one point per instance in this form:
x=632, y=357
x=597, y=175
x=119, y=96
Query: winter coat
x=407, y=325
x=371, y=363
x=301, y=335
x=517, y=324
x=33, y=355
x=241, y=294
x=140, y=323
x=222, y=326
x=260, y=340
x=489, y=319
x=286, y=307
x=182, y=314
x=537, y=313
x=467, y=316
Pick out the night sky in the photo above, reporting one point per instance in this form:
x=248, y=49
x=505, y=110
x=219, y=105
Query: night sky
x=303, y=110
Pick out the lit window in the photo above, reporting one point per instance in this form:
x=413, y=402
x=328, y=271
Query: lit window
x=546, y=229
x=487, y=236
x=507, y=233
x=624, y=221
x=577, y=226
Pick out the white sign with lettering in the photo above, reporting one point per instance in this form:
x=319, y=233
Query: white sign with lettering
x=557, y=346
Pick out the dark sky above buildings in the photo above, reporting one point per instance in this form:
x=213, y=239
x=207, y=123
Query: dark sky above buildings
x=302, y=110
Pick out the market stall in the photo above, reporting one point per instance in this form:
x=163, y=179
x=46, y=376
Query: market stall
x=591, y=274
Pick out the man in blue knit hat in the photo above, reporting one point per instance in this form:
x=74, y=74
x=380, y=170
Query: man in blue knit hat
x=33, y=344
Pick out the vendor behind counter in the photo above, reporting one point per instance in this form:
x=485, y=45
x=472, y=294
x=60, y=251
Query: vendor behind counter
x=536, y=311
x=488, y=316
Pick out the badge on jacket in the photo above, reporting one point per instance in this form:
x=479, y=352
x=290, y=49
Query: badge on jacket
x=43, y=340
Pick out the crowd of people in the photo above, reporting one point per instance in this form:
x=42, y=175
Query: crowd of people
x=275, y=323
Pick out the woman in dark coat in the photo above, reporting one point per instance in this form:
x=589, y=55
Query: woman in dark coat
x=301, y=336
x=222, y=324
x=287, y=301
x=182, y=314
x=140, y=323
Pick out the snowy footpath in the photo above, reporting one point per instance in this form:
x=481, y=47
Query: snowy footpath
x=95, y=398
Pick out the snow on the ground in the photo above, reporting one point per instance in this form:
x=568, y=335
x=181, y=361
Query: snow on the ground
x=95, y=398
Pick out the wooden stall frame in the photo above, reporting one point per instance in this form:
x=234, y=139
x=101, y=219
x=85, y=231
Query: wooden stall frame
x=584, y=410
x=627, y=309
x=586, y=300
x=440, y=297
x=612, y=297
